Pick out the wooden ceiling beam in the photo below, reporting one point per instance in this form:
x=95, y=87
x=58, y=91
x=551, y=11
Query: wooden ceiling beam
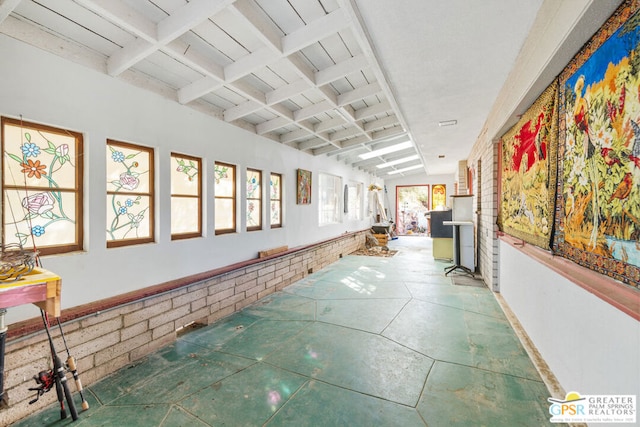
x=341, y=69
x=314, y=31
x=359, y=93
x=6, y=7
x=197, y=89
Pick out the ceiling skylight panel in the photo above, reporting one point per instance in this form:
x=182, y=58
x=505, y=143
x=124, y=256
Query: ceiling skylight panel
x=398, y=161
x=405, y=169
x=386, y=150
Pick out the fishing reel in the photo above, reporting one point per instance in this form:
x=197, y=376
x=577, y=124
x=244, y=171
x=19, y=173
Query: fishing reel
x=45, y=381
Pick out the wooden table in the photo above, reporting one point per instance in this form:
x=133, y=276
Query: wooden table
x=39, y=287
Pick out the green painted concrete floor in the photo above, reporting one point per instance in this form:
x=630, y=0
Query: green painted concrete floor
x=367, y=341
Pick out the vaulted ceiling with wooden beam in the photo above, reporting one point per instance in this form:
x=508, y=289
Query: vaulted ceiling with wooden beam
x=311, y=74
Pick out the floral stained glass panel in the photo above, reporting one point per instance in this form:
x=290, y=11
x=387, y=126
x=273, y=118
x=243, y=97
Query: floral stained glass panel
x=225, y=199
x=42, y=203
x=275, y=198
x=254, y=199
x=186, y=212
x=129, y=194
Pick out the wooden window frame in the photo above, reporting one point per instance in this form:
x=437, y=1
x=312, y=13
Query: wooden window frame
x=258, y=200
x=198, y=162
x=151, y=194
x=77, y=245
x=233, y=197
x=279, y=200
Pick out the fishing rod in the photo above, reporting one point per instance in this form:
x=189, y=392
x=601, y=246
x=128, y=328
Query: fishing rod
x=3, y=337
x=71, y=364
x=60, y=376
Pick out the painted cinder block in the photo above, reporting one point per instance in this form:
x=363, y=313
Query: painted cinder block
x=109, y=340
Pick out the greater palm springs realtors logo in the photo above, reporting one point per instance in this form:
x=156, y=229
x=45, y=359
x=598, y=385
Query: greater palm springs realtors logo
x=593, y=409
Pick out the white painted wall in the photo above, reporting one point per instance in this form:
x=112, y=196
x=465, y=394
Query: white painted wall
x=42, y=88
x=591, y=347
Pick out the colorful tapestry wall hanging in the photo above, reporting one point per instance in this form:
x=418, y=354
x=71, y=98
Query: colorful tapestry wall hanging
x=598, y=212
x=529, y=171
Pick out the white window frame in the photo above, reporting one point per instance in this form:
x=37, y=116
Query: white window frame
x=330, y=196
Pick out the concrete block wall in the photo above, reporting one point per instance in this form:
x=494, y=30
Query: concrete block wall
x=485, y=151
x=108, y=340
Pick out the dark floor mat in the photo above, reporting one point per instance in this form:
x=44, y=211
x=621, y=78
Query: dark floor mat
x=463, y=280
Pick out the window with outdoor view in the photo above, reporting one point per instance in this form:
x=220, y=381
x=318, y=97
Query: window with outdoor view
x=186, y=197
x=275, y=200
x=41, y=187
x=129, y=194
x=254, y=200
x=354, y=197
x=330, y=188
x=225, y=198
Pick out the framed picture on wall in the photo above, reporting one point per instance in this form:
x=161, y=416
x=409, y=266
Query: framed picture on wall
x=438, y=197
x=303, y=187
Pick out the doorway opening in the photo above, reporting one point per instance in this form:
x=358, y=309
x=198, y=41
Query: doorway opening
x=412, y=207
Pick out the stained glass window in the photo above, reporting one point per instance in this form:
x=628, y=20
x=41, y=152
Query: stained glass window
x=42, y=187
x=225, y=198
x=330, y=188
x=275, y=199
x=186, y=197
x=254, y=200
x=129, y=194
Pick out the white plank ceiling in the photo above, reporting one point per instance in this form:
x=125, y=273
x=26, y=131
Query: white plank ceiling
x=337, y=78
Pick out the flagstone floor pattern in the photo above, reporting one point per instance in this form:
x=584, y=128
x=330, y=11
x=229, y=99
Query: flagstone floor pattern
x=367, y=341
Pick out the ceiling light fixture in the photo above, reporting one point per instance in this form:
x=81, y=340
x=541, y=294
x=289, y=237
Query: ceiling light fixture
x=409, y=168
x=448, y=123
x=386, y=150
x=397, y=162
